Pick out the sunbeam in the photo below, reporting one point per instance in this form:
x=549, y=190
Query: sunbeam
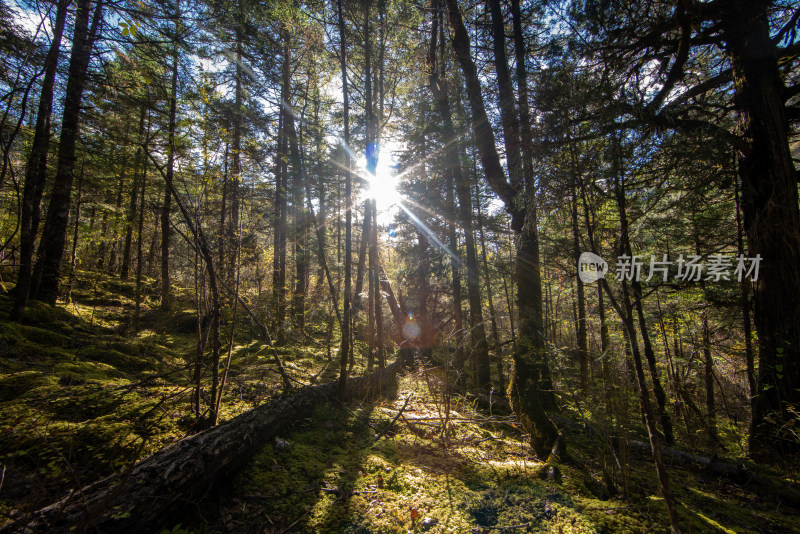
x=428, y=232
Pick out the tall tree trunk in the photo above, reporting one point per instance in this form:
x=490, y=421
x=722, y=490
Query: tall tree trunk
x=281, y=191
x=508, y=112
x=140, y=236
x=605, y=346
x=438, y=83
x=131, y=215
x=166, y=206
x=501, y=382
x=236, y=160
x=455, y=266
x=771, y=219
x=300, y=220
x=747, y=325
x=583, y=346
x=647, y=410
x=361, y=264
x=375, y=268
x=75, y=228
x=36, y=172
x=636, y=286
x=113, y=239
x=346, y=347
x=223, y=211
x=370, y=156
x=51, y=247
x=708, y=364
x=511, y=134
x=528, y=359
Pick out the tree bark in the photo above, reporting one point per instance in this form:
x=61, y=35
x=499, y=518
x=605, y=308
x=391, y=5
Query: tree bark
x=300, y=216
x=771, y=219
x=130, y=217
x=453, y=149
x=281, y=190
x=36, y=172
x=346, y=347
x=51, y=248
x=580, y=330
x=166, y=207
x=524, y=389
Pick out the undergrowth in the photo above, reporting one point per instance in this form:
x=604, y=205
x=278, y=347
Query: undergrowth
x=85, y=392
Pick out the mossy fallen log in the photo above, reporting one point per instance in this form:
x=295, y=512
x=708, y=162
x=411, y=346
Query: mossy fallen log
x=765, y=486
x=145, y=498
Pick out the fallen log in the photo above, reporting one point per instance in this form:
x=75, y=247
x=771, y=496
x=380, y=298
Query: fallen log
x=765, y=486
x=144, y=498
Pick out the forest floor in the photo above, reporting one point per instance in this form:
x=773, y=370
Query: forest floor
x=83, y=395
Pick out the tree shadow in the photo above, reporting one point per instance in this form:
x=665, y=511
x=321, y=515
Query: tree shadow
x=305, y=480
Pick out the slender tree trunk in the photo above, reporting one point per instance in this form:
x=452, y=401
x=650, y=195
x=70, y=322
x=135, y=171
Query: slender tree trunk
x=650, y=422
x=322, y=256
x=438, y=83
x=51, y=247
x=166, y=207
x=747, y=325
x=636, y=286
x=528, y=359
x=140, y=237
x=233, y=324
x=75, y=229
x=346, y=347
x=605, y=346
x=370, y=152
x=708, y=364
x=36, y=172
x=298, y=210
x=379, y=334
x=361, y=265
x=455, y=266
x=281, y=190
x=583, y=345
x=223, y=209
x=501, y=382
x=236, y=160
x=131, y=215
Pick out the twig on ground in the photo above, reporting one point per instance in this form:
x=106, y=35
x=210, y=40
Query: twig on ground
x=396, y=417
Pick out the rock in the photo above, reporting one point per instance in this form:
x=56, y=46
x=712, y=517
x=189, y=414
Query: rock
x=429, y=522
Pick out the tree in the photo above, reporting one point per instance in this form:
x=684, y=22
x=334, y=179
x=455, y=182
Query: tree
x=36, y=171
x=735, y=38
x=51, y=248
x=529, y=357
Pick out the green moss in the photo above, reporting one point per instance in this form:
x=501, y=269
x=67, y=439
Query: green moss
x=38, y=312
x=88, y=370
x=114, y=358
x=19, y=384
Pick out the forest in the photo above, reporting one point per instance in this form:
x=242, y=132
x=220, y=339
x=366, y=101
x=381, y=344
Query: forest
x=395, y=266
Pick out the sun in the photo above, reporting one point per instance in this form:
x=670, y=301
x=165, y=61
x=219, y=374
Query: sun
x=383, y=185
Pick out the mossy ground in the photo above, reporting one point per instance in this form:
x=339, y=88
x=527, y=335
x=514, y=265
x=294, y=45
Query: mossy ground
x=329, y=474
x=84, y=394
